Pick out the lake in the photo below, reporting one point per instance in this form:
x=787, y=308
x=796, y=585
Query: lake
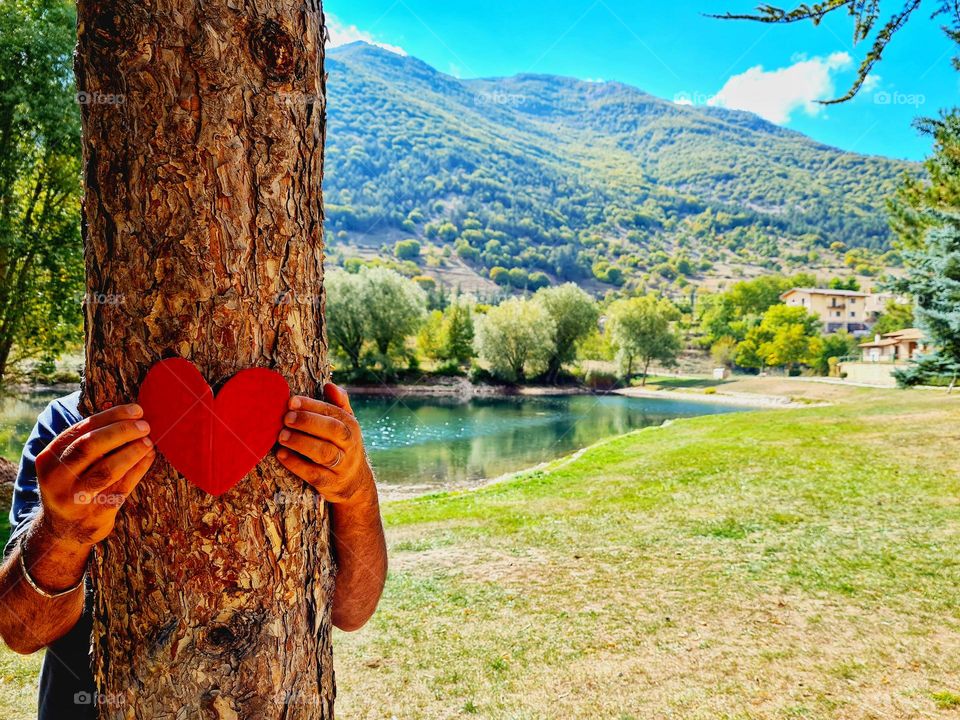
x=419, y=444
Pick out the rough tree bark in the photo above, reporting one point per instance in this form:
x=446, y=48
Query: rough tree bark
x=203, y=136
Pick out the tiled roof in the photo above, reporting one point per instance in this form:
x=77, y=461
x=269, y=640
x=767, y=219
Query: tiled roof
x=826, y=291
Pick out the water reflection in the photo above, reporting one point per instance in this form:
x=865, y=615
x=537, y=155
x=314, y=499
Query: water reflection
x=436, y=441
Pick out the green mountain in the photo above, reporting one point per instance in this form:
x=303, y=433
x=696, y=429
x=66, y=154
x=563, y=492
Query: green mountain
x=595, y=182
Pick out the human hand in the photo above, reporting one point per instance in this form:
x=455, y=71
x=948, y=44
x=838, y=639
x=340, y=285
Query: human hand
x=88, y=471
x=322, y=445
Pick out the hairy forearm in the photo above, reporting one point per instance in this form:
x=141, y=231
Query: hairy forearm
x=361, y=554
x=28, y=620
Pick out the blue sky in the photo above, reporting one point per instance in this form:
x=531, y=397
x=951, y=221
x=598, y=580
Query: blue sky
x=673, y=51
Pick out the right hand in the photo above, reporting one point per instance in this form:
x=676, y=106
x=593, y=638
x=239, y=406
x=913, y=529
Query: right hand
x=88, y=471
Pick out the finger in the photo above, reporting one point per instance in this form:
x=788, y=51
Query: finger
x=302, y=402
x=303, y=468
x=106, y=471
x=90, y=447
x=337, y=396
x=121, y=489
x=321, y=452
x=320, y=426
x=94, y=422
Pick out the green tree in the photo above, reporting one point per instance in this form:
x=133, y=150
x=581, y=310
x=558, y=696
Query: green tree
x=458, y=332
x=41, y=265
x=933, y=279
x=787, y=336
x=407, y=249
x=515, y=339
x=448, y=336
x=430, y=336
x=347, y=314
x=847, y=283
x=574, y=313
x=910, y=209
x=395, y=308
x=642, y=331
x=734, y=312
x=834, y=347
x=500, y=275
x=724, y=352
x=896, y=316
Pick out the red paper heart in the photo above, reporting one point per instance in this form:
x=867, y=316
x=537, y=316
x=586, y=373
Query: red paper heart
x=213, y=442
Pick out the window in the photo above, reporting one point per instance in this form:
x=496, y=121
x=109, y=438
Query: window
x=853, y=314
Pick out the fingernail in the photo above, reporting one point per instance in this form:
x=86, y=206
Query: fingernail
x=147, y=441
x=294, y=402
x=283, y=454
x=134, y=410
x=284, y=435
x=290, y=418
x=142, y=426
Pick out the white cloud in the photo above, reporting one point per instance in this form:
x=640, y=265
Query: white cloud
x=339, y=34
x=777, y=94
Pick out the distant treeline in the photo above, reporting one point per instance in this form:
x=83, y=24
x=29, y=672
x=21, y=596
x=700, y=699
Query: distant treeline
x=382, y=324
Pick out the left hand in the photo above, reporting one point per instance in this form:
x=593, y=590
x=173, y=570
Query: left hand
x=326, y=447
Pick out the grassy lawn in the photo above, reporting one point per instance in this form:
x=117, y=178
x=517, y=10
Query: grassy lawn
x=780, y=564
x=789, y=564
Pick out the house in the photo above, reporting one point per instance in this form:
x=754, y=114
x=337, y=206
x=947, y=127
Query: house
x=900, y=346
x=849, y=310
x=883, y=356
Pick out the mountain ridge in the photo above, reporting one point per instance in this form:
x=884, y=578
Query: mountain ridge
x=571, y=178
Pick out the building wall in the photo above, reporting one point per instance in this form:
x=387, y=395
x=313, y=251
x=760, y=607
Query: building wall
x=871, y=373
x=835, y=311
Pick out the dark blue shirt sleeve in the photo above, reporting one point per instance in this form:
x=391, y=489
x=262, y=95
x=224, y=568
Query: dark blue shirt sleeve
x=56, y=417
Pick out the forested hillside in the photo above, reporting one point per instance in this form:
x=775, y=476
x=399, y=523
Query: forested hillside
x=597, y=182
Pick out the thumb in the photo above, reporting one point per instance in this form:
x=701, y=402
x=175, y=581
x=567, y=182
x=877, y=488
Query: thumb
x=336, y=395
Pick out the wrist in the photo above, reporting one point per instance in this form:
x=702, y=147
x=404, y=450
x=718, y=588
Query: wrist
x=53, y=563
x=366, y=494
x=48, y=536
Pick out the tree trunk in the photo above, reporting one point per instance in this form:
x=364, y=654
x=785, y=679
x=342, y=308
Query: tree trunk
x=553, y=370
x=203, y=157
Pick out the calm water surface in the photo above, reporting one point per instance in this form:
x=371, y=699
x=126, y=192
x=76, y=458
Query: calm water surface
x=438, y=442
x=430, y=443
